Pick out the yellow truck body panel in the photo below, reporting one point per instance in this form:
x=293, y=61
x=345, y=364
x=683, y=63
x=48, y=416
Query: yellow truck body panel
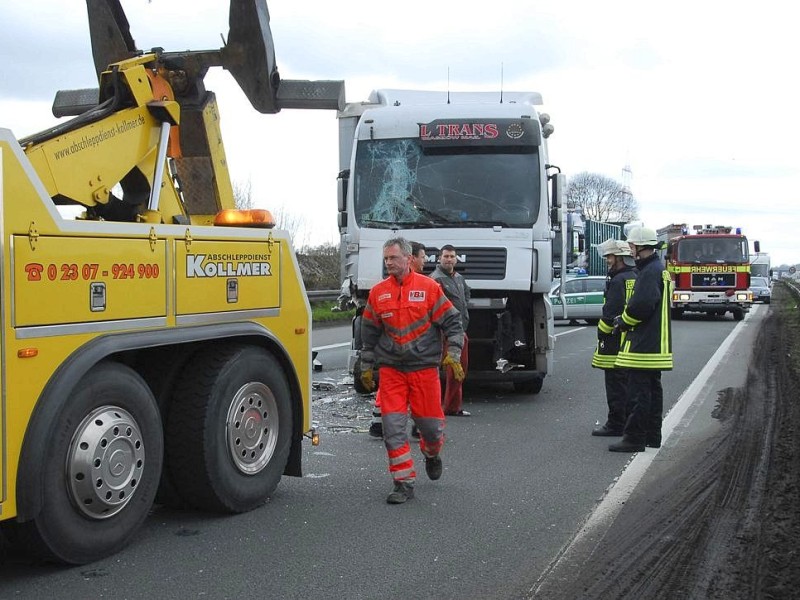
x=66, y=283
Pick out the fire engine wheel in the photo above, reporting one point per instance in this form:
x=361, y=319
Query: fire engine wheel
x=101, y=473
x=229, y=429
x=738, y=314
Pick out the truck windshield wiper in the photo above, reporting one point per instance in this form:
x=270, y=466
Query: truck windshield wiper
x=379, y=224
x=436, y=218
x=492, y=222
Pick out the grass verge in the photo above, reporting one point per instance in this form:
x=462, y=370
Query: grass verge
x=321, y=313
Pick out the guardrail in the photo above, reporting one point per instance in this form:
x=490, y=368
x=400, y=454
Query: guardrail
x=323, y=294
x=793, y=285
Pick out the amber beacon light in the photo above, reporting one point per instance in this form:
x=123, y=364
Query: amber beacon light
x=255, y=217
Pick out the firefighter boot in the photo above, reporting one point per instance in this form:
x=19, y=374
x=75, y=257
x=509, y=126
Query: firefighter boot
x=653, y=440
x=403, y=491
x=607, y=431
x=433, y=467
x=627, y=445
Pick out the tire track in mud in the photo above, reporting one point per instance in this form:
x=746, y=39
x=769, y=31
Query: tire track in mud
x=724, y=523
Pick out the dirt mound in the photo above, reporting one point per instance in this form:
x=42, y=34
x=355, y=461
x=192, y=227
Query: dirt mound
x=724, y=525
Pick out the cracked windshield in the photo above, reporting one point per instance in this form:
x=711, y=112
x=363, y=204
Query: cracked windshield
x=400, y=185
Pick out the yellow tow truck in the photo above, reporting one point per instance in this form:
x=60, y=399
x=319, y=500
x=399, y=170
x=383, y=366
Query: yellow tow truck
x=157, y=347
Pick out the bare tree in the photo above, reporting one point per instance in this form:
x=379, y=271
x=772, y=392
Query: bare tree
x=243, y=195
x=601, y=198
x=320, y=266
x=295, y=225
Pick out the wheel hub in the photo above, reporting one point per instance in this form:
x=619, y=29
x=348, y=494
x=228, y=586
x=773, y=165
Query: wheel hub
x=252, y=427
x=105, y=462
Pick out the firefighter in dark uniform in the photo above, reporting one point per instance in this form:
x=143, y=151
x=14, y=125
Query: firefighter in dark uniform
x=619, y=286
x=647, y=348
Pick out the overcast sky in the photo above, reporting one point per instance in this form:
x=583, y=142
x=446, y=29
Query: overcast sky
x=699, y=99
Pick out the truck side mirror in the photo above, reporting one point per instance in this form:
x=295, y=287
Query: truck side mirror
x=559, y=185
x=757, y=246
x=341, y=188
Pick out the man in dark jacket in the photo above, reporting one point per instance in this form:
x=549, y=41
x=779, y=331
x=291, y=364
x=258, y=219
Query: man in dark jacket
x=619, y=287
x=647, y=348
x=457, y=291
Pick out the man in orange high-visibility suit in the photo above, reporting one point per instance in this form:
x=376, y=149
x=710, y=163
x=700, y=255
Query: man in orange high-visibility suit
x=417, y=264
x=402, y=326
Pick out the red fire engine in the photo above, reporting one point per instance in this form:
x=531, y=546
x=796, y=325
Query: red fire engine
x=710, y=270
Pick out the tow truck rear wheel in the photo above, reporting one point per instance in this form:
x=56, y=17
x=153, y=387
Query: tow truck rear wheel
x=229, y=429
x=101, y=469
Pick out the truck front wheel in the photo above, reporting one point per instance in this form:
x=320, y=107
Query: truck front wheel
x=101, y=469
x=529, y=386
x=229, y=429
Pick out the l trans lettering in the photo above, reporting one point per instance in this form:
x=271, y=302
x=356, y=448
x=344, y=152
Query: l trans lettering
x=201, y=265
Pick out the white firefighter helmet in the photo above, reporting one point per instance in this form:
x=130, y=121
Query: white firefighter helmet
x=614, y=247
x=643, y=236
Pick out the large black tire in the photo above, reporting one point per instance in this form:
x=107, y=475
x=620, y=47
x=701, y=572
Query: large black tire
x=160, y=370
x=738, y=314
x=357, y=332
x=676, y=314
x=101, y=470
x=529, y=386
x=229, y=429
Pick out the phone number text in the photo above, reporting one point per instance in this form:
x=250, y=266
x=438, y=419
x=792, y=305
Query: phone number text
x=90, y=271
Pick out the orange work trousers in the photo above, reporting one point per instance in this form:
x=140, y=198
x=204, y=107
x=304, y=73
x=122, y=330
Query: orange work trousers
x=419, y=390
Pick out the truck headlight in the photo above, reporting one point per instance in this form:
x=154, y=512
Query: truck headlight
x=743, y=296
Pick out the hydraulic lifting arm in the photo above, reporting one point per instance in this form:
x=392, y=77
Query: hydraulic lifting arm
x=153, y=120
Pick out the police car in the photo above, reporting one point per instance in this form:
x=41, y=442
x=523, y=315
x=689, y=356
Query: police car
x=584, y=298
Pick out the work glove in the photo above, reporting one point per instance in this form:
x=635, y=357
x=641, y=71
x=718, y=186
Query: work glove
x=455, y=365
x=368, y=379
x=620, y=324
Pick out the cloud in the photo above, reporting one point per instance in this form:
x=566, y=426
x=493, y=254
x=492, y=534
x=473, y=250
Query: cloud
x=697, y=98
x=711, y=168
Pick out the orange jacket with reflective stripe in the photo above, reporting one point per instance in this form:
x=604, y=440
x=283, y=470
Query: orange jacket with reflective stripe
x=403, y=323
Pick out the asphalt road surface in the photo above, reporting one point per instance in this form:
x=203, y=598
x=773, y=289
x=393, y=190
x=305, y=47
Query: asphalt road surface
x=521, y=478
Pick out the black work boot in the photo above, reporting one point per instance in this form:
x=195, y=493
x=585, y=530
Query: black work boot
x=433, y=467
x=627, y=445
x=402, y=491
x=606, y=431
x=376, y=429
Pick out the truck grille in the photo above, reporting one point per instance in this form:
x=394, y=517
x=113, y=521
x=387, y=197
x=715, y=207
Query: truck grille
x=480, y=263
x=713, y=280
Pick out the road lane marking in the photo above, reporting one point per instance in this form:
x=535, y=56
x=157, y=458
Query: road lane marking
x=331, y=346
